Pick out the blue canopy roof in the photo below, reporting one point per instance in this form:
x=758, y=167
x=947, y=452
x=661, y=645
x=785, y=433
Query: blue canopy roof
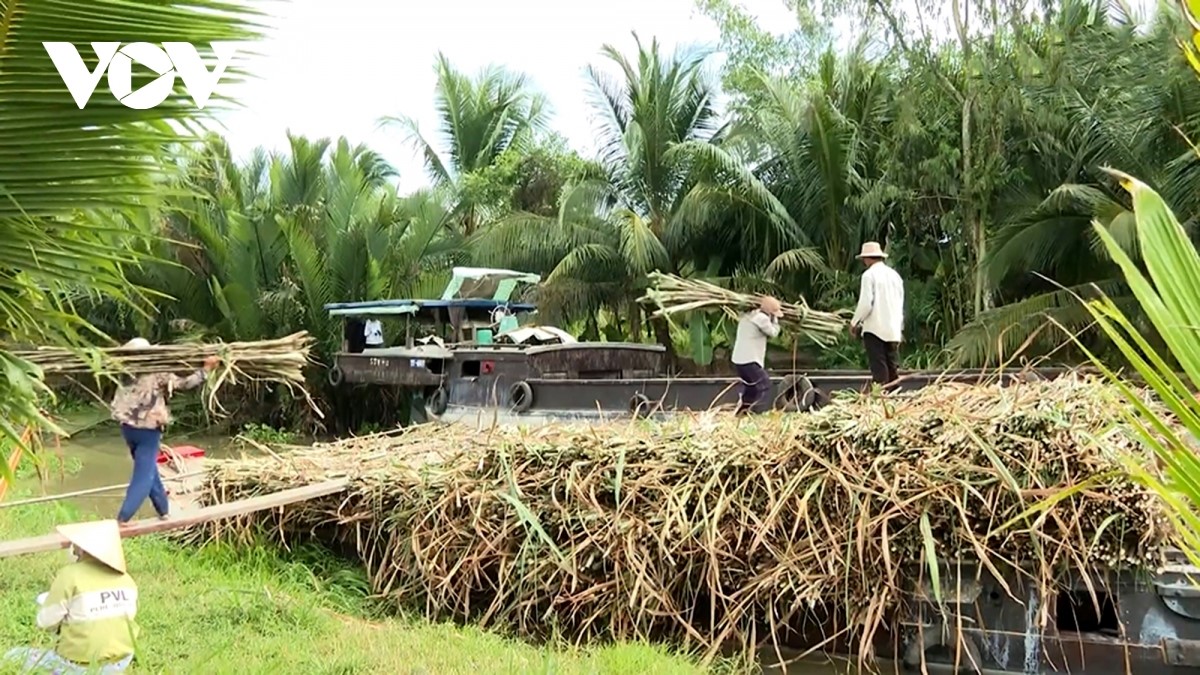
x=396, y=305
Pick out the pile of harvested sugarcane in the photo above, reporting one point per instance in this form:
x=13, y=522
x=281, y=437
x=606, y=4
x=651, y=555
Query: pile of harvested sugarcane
x=281, y=361
x=713, y=528
x=674, y=295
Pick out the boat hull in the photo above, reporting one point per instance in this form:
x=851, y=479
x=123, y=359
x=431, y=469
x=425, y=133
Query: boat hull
x=1148, y=623
x=644, y=396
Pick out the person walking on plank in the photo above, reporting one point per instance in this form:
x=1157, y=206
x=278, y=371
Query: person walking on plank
x=754, y=329
x=879, y=317
x=141, y=409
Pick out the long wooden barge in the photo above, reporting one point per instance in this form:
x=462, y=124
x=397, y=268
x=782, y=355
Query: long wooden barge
x=602, y=379
x=476, y=358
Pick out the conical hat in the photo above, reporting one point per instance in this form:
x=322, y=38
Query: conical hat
x=100, y=539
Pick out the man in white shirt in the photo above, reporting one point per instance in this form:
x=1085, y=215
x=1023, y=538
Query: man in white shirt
x=373, y=332
x=749, y=356
x=879, y=317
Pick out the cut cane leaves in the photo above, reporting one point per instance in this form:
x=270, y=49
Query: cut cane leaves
x=1169, y=295
x=614, y=529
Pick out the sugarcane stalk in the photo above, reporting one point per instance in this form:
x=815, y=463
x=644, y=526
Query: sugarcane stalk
x=616, y=530
x=674, y=295
x=280, y=360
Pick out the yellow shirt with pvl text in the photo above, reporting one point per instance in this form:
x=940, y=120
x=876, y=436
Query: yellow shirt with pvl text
x=94, y=607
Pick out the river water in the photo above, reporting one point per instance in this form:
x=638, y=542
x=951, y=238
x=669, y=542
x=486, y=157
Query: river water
x=103, y=460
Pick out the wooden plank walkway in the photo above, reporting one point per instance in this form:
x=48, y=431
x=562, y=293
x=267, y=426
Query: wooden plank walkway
x=51, y=542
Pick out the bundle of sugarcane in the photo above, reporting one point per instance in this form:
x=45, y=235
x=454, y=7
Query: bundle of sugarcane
x=280, y=361
x=674, y=295
x=708, y=528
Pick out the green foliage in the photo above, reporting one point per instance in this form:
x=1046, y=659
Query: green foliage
x=1168, y=291
x=529, y=180
x=751, y=49
x=256, y=609
x=267, y=435
x=65, y=170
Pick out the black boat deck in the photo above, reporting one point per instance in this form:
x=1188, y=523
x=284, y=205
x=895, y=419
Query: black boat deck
x=591, y=377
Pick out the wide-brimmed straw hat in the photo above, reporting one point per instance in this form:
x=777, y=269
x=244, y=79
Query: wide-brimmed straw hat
x=872, y=249
x=100, y=539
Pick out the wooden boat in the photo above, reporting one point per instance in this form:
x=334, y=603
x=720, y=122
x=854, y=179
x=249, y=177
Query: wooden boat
x=468, y=364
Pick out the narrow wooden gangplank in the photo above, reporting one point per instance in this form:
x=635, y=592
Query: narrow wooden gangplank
x=51, y=542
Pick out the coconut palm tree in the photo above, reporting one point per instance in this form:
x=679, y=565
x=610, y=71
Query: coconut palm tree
x=1100, y=102
x=64, y=167
x=480, y=119
x=674, y=196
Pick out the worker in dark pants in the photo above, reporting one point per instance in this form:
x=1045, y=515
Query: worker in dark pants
x=141, y=408
x=879, y=317
x=749, y=357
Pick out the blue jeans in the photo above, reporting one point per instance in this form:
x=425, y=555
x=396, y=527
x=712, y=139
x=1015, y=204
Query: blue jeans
x=145, y=482
x=48, y=661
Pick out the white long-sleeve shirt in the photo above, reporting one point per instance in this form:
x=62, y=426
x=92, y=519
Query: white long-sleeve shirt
x=880, y=308
x=754, y=330
x=373, y=332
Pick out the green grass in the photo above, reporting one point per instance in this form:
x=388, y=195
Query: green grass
x=50, y=465
x=215, y=609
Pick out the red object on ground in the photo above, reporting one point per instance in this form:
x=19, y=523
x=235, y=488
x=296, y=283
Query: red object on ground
x=182, y=452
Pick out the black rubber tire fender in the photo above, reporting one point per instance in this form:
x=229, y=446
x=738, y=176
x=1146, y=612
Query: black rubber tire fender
x=521, y=396
x=793, y=390
x=438, y=401
x=639, y=405
x=820, y=399
x=336, y=376
x=969, y=660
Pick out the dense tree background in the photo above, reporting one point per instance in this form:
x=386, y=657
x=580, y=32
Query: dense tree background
x=968, y=135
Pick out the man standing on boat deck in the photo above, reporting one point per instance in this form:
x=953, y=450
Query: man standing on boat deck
x=749, y=357
x=879, y=317
x=92, y=605
x=141, y=408
x=373, y=333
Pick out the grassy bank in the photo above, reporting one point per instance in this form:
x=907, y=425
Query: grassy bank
x=221, y=610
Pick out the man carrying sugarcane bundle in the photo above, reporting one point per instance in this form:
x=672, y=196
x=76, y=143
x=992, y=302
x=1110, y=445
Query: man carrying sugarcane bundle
x=141, y=408
x=749, y=356
x=879, y=317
